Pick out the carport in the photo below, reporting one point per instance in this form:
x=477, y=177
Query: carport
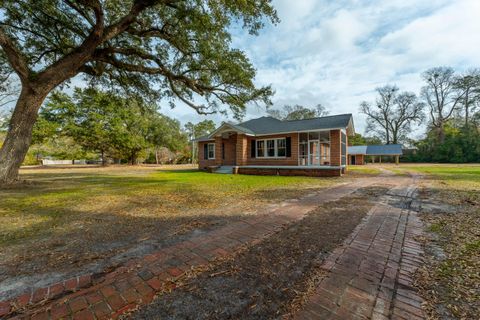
x=357, y=154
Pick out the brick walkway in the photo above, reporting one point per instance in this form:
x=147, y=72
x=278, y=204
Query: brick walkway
x=137, y=282
x=370, y=276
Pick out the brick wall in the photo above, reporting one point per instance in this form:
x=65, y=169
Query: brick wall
x=359, y=159
x=285, y=161
x=230, y=150
x=202, y=163
x=241, y=149
x=291, y=172
x=335, y=148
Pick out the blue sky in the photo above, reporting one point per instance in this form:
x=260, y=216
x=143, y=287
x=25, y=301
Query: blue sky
x=337, y=52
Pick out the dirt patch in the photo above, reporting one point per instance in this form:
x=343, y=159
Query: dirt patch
x=450, y=279
x=271, y=278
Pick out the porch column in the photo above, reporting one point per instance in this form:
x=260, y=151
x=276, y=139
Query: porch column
x=335, y=148
x=218, y=151
x=242, y=150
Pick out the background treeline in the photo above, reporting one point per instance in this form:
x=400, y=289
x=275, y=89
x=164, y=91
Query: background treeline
x=448, y=106
x=103, y=127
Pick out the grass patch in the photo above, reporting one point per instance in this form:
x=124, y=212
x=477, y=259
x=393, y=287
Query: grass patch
x=453, y=281
x=364, y=170
x=67, y=217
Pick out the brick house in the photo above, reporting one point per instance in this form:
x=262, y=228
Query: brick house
x=268, y=146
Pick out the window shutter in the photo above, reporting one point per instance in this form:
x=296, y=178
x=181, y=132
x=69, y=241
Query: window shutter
x=288, y=142
x=205, y=151
x=253, y=148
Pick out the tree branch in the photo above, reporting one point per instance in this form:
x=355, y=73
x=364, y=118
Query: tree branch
x=14, y=56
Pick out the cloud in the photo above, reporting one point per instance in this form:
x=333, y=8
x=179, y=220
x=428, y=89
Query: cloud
x=337, y=53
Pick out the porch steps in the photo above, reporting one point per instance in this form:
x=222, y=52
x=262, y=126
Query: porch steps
x=225, y=170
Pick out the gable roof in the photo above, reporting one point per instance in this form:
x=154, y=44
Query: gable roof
x=377, y=150
x=270, y=125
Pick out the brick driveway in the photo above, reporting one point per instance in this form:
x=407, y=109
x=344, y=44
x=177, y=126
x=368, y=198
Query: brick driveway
x=370, y=276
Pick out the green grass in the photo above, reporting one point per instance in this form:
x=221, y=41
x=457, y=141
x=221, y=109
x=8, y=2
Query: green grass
x=450, y=173
x=58, y=197
x=364, y=170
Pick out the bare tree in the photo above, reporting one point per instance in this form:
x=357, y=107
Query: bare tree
x=394, y=113
x=440, y=95
x=407, y=111
x=467, y=87
x=298, y=112
x=379, y=114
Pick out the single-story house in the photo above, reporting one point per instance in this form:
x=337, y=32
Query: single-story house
x=357, y=154
x=268, y=146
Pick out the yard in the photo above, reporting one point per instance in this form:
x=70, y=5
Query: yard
x=69, y=221
x=451, y=280
x=92, y=219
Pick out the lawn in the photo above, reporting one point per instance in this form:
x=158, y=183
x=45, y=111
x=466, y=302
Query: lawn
x=81, y=217
x=451, y=281
x=364, y=170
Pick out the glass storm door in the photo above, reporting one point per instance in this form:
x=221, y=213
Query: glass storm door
x=314, y=153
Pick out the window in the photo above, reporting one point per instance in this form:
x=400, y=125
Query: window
x=303, y=137
x=314, y=148
x=272, y=148
x=325, y=136
x=260, y=148
x=211, y=151
x=281, y=147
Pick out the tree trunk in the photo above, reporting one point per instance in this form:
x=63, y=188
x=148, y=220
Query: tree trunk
x=104, y=163
x=441, y=133
x=156, y=155
x=19, y=135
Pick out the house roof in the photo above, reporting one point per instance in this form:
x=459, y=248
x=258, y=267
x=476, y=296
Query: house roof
x=270, y=125
x=377, y=150
x=357, y=150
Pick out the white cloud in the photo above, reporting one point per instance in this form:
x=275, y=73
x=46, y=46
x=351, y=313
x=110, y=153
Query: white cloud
x=341, y=51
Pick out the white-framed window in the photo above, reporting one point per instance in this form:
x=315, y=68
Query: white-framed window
x=211, y=151
x=281, y=147
x=272, y=148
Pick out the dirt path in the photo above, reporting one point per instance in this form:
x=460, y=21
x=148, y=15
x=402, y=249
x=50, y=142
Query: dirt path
x=371, y=275
x=136, y=282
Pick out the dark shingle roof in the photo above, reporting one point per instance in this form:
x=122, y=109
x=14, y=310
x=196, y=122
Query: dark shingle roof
x=377, y=150
x=203, y=138
x=269, y=125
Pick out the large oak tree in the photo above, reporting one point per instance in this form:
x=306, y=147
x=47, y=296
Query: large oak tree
x=156, y=48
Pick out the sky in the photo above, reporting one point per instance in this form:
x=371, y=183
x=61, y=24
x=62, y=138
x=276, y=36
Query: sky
x=337, y=52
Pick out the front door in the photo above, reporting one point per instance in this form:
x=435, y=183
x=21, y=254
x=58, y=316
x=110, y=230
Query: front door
x=353, y=160
x=314, y=153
